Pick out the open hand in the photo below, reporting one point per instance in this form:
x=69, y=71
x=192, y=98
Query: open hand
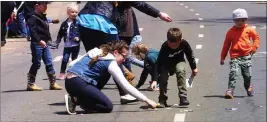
x=76, y=39
x=151, y=103
x=195, y=71
x=165, y=17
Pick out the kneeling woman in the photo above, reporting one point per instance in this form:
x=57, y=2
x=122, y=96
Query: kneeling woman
x=88, y=74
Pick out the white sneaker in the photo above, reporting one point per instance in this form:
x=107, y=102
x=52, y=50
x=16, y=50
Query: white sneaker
x=128, y=99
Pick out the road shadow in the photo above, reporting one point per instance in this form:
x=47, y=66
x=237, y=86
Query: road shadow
x=57, y=104
x=179, y=106
x=108, y=88
x=23, y=90
x=19, y=90
x=136, y=103
x=56, y=79
x=66, y=113
x=125, y=111
x=222, y=96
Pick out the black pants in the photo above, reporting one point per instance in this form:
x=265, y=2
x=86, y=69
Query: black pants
x=143, y=77
x=93, y=38
x=73, y=51
x=89, y=97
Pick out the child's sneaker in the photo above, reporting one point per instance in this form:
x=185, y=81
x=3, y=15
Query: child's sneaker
x=61, y=76
x=70, y=104
x=162, y=105
x=250, y=91
x=33, y=87
x=184, y=101
x=229, y=94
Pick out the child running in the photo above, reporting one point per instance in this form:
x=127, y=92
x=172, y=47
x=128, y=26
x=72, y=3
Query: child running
x=70, y=31
x=241, y=50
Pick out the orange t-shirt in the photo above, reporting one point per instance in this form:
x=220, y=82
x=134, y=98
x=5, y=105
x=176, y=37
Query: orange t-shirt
x=239, y=41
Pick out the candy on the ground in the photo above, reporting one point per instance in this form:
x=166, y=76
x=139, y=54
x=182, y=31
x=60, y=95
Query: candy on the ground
x=232, y=109
x=175, y=105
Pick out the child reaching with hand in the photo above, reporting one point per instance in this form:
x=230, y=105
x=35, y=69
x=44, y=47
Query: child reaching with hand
x=149, y=56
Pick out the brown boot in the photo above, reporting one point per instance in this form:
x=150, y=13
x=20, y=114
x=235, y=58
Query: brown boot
x=53, y=84
x=31, y=86
x=128, y=75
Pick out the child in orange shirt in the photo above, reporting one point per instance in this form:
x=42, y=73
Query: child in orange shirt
x=241, y=50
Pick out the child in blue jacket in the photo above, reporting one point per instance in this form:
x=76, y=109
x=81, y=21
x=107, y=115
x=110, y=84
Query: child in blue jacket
x=149, y=56
x=70, y=31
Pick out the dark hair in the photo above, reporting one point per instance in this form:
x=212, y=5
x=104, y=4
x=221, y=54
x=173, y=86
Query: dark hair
x=174, y=34
x=110, y=47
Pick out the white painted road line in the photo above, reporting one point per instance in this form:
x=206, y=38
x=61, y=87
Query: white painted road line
x=181, y=4
x=197, y=14
x=201, y=26
x=264, y=27
x=187, y=85
x=262, y=52
x=179, y=117
x=198, y=46
x=200, y=18
x=200, y=35
x=186, y=6
x=58, y=58
x=191, y=9
x=254, y=27
x=197, y=60
x=141, y=29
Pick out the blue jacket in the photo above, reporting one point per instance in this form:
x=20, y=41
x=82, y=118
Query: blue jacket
x=97, y=74
x=74, y=32
x=151, y=63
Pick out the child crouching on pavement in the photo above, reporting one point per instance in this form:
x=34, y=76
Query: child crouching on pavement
x=149, y=56
x=241, y=50
x=39, y=32
x=70, y=31
x=171, y=61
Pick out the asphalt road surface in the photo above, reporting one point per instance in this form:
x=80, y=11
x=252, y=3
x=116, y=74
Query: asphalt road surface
x=204, y=25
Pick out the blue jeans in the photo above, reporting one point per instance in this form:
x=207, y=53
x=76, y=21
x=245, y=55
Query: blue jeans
x=73, y=51
x=136, y=39
x=22, y=24
x=38, y=53
x=89, y=97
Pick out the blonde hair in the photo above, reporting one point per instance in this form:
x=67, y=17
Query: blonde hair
x=108, y=48
x=139, y=49
x=71, y=6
